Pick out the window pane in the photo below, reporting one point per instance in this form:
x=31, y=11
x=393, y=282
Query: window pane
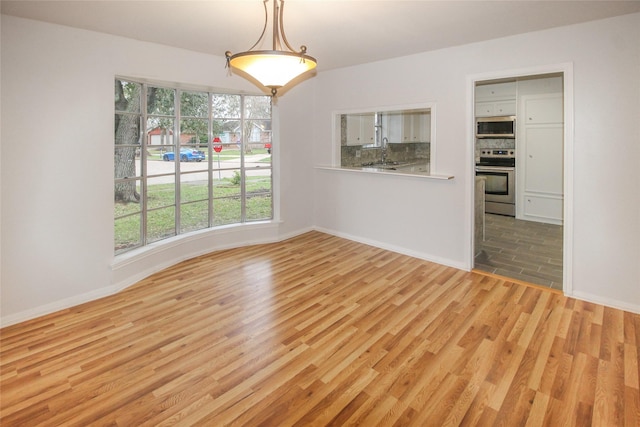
x=161, y=224
x=127, y=233
x=258, y=194
x=258, y=131
x=159, y=159
x=127, y=198
x=161, y=192
x=194, y=132
x=258, y=181
x=230, y=134
x=228, y=186
x=257, y=107
x=227, y=199
x=160, y=100
x=194, y=104
x=127, y=96
x=160, y=131
x=258, y=207
x=259, y=142
x=227, y=211
x=194, y=216
x=127, y=129
x=194, y=186
x=126, y=161
x=229, y=131
x=225, y=106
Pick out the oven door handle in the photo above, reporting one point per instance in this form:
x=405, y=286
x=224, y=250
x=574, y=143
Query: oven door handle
x=494, y=169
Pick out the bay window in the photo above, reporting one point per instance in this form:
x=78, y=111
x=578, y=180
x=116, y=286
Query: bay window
x=188, y=160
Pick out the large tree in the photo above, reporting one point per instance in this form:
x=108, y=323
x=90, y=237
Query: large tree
x=127, y=139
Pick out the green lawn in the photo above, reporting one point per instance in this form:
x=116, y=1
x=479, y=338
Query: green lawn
x=193, y=209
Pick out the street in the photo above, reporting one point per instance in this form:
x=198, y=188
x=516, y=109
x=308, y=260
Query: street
x=158, y=167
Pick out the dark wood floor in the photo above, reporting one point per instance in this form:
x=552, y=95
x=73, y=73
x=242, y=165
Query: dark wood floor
x=523, y=250
x=318, y=330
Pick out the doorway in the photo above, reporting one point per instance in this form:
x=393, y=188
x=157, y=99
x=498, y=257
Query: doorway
x=523, y=250
x=530, y=245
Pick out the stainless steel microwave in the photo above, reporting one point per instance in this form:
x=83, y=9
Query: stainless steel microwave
x=496, y=127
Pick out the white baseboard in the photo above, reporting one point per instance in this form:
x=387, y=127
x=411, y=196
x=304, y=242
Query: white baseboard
x=609, y=302
x=138, y=275
x=59, y=305
x=397, y=249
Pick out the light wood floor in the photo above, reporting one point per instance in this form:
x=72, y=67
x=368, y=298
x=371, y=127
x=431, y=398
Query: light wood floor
x=318, y=330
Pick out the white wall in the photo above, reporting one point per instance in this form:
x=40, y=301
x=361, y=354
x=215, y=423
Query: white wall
x=57, y=165
x=57, y=100
x=431, y=219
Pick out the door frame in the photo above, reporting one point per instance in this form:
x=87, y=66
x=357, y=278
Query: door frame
x=566, y=69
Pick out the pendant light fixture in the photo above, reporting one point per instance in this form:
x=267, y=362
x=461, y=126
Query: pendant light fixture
x=277, y=67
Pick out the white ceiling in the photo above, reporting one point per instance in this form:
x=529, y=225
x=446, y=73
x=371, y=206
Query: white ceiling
x=337, y=33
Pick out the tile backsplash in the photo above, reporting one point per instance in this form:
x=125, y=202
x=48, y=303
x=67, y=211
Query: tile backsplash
x=409, y=152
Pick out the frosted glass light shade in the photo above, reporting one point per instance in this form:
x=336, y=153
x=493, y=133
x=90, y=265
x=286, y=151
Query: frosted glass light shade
x=273, y=68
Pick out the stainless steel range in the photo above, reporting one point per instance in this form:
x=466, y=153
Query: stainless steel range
x=498, y=166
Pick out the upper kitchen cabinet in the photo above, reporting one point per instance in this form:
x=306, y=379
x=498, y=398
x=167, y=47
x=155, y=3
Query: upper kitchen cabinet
x=496, y=91
x=407, y=126
x=489, y=109
x=360, y=129
x=416, y=127
x=496, y=99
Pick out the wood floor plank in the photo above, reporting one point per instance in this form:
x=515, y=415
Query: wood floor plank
x=319, y=330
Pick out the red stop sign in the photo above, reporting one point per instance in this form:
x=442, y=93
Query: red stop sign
x=217, y=148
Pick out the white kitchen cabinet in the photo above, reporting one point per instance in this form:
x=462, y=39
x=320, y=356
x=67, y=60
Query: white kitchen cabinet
x=543, y=111
x=496, y=91
x=543, y=160
x=540, y=151
x=410, y=128
x=360, y=129
x=497, y=99
x=416, y=127
x=392, y=127
x=501, y=108
x=543, y=208
x=485, y=109
x=407, y=126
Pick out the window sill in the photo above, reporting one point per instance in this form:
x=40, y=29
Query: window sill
x=131, y=257
x=381, y=171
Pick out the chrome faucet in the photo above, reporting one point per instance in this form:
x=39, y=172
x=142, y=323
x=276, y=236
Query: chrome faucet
x=385, y=141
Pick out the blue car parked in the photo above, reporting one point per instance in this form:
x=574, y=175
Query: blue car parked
x=186, y=155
